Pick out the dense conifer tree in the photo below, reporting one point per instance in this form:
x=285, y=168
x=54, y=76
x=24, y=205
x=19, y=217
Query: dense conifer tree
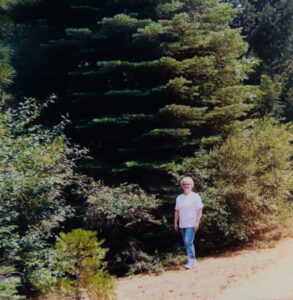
x=145, y=82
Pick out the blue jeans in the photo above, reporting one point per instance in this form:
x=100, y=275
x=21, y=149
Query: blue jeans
x=188, y=238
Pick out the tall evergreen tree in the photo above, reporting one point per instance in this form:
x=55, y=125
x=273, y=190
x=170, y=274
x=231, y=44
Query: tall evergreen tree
x=145, y=82
x=175, y=83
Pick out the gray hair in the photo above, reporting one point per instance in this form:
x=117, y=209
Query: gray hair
x=187, y=180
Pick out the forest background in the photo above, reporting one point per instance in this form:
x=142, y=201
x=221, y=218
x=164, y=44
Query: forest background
x=105, y=105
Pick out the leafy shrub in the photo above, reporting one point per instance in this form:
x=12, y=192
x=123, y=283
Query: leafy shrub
x=37, y=165
x=123, y=215
x=126, y=205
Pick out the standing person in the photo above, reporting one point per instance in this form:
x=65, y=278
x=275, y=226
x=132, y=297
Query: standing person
x=188, y=211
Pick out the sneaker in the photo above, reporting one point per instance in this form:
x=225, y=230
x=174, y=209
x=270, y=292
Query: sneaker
x=188, y=266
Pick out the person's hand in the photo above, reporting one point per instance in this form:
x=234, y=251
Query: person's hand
x=195, y=227
x=176, y=227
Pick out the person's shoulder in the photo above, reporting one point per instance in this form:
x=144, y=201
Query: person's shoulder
x=179, y=197
x=196, y=195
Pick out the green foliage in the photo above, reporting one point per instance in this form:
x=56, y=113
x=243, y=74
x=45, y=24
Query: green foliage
x=146, y=83
x=177, y=79
x=125, y=216
x=7, y=73
x=126, y=205
x=37, y=173
x=268, y=26
x=78, y=269
x=246, y=183
x=270, y=102
x=9, y=281
x=4, y=4
x=157, y=262
x=37, y=165
x=289, y=104
x=198, y=79
x=146, y=263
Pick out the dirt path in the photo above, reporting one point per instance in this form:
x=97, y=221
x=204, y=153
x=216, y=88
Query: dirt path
x=261, y=274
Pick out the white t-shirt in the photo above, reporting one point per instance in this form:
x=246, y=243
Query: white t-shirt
x=187, y=206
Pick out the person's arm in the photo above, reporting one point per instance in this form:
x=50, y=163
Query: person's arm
x=198, y=217
x=176, y=218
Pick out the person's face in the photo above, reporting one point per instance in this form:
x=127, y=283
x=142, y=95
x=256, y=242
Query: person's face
x=186, y=186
